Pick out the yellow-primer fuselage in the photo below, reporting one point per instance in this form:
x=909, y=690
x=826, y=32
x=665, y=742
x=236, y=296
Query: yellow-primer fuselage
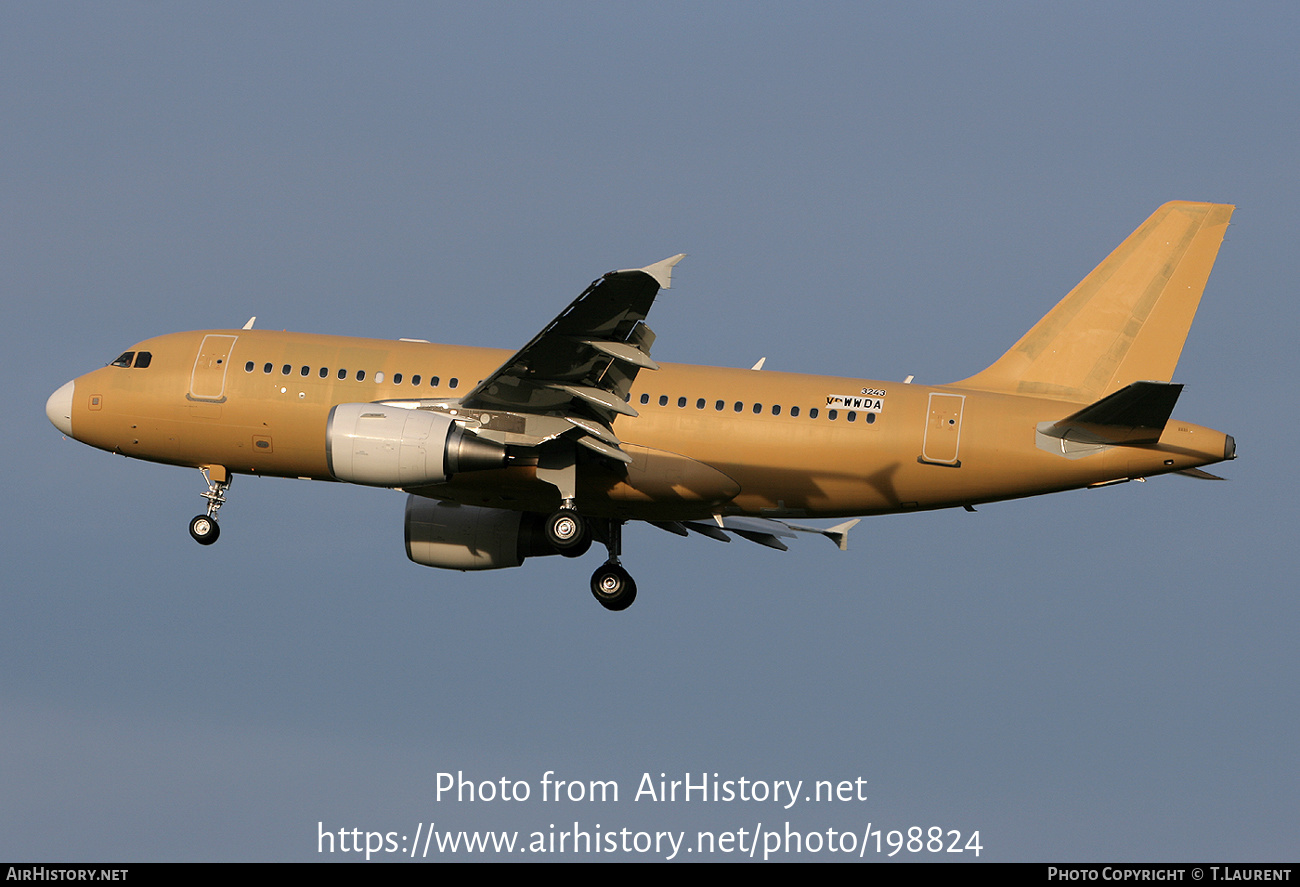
x=706, y=441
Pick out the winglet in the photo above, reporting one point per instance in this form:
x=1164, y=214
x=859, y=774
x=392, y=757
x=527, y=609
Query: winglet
x=251, y=320
x=839, y=534
x=662, y=272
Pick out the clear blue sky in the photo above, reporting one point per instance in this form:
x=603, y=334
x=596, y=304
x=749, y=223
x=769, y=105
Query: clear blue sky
x=869, y=192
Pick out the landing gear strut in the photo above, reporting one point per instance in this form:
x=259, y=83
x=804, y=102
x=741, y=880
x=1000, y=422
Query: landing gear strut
x=203, y=528
x=612, y=585
x=570, y=534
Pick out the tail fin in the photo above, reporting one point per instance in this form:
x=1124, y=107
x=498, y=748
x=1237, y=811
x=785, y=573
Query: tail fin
x=1127, y=320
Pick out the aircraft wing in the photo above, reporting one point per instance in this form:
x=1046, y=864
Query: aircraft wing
x=580, y=367
x=764, y=531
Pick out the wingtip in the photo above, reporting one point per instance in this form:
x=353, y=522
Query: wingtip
x=839, y=534
x=662, y=272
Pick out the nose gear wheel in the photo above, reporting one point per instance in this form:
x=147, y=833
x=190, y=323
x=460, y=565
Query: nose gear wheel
x=203, y=528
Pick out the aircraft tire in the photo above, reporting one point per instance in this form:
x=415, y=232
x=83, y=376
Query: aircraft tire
x=566, y=530
x=613, y=587
x=204, y=529
x=580, y=549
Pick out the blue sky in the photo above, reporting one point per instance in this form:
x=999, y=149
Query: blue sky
x=872, y=192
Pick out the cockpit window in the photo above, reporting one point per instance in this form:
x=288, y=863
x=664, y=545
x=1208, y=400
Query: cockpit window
x=124, y=360
x=142, y=359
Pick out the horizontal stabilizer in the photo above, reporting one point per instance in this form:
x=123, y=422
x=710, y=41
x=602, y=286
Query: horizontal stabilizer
x=1136, y=414
x=1199, y=474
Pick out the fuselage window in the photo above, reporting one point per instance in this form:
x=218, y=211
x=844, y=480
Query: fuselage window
x=124, y=360
x=663, y=400
x=433, y=381
x=324, y=372
x=143, y=359
x=645, y=398
x=397, y=378
x=852, y=417
x=758, y=408
x=415, y=380
x=833, y=415
x=871, y=418
x=699, y=404
x=776, y=409
x=285, y=370
x=361, y=375
x=305, y=371
x=453, y=383
x=718, y=406
x=248, y=367
x=738, y=407
x=681, y=402
x=266, y=368
x=812, y=414
x=794, y=411
x=379, y=378
x=343, y=374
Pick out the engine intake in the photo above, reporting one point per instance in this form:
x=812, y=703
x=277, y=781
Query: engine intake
x=383, y=446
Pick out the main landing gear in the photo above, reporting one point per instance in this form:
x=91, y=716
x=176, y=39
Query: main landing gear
x=567, y=532
x=612, y=585
x=203, y=528
x=570, y=534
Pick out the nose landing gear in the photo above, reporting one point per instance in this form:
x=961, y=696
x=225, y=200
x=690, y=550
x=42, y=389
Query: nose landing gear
x=203, y=528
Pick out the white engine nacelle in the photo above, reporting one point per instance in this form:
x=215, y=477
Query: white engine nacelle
x=467, y=537
x=383, y=446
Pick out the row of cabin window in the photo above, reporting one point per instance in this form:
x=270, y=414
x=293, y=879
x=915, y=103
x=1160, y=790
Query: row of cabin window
x=739, y=407
x=324, y=372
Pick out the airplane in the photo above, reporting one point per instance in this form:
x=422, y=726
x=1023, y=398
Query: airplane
x=541, y=452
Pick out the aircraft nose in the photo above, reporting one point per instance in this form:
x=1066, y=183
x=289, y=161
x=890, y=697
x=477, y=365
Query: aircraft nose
x=59, y=408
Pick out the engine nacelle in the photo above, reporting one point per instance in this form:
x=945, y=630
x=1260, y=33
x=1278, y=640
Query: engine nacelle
x=383, y=446
x=467, y=537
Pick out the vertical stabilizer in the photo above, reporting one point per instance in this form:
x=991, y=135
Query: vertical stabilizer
x=1127, y=320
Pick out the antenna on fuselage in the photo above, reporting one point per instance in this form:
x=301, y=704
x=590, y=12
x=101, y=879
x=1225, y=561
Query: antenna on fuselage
x=249, y=325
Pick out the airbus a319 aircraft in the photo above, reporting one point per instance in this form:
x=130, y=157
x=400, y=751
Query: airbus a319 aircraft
x=508, y=456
